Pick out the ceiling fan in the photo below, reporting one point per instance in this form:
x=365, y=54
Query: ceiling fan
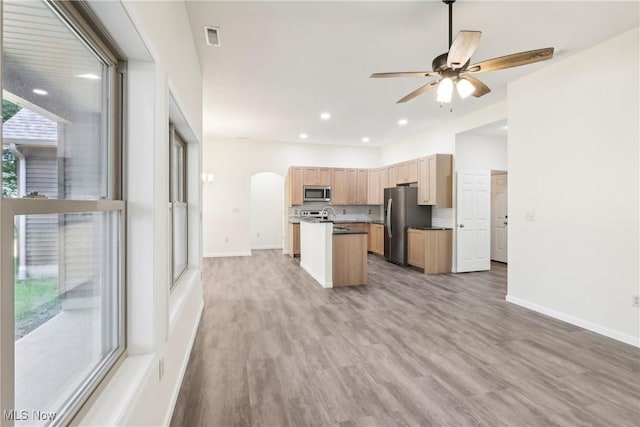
x=453, y=67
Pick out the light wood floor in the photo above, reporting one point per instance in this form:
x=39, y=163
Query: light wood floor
x=275, y=349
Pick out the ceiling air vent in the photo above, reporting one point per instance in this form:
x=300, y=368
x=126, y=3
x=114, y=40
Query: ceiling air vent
x=212, y=36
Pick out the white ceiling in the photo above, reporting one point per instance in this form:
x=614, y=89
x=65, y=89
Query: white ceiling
x=283, y=63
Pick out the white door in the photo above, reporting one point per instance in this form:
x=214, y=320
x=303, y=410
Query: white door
x=499, y=221
x=473, y=237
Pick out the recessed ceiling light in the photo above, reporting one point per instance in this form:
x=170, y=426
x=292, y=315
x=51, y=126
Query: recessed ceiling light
x=325, y=116
x=366, y=139
x=40, y=92
x=89, y=76
x=303, y=136
x=505, y=127
x=403, y=122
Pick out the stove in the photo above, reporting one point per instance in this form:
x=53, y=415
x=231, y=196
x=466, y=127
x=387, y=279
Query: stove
x=314, y=214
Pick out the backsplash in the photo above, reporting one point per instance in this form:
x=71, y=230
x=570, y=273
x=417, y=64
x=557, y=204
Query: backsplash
x=345, y=213
x=442, y=217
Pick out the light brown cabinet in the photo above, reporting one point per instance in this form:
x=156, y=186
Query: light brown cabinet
x=349, y=259
x=376, y=239
x=407, y=172
x=430, y=250
x=294, y=240
x=339, y=187
x=415, y=247
x=349, y=186
x=361, y=226
x=391, y=174
x=293, y=186
x=435, y=180
x=374, y=191
x=352, y=186
x=316, y=176
x=362, y=187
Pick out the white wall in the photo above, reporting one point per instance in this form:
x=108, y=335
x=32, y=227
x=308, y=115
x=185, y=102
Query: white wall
x=227, y=201
x=267, y=210
x=573, y=162
x=442, y=138
x=481, y=152
x=156, y=38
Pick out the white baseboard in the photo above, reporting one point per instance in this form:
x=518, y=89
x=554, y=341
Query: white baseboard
x=259, y=248
x=593, y=327
x=225, y=254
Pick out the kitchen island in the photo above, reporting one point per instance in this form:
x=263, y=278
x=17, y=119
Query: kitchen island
x=334, y=256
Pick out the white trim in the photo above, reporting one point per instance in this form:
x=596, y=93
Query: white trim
x=225, y=254
x=259, y=248
x=598, y=329
x=183, y=367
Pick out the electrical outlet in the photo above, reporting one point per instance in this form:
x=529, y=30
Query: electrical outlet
x=369, y=212
x=635, y=301
x=257, y=234
x=161, y=368
x=530, y=216
x=344, y=211
x=226, y=240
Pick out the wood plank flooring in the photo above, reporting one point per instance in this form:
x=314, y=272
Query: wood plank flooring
x=275, y=349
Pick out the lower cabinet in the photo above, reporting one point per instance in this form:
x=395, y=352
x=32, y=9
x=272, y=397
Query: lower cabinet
x=430, y=250
x=294, y=239
x=376, y=239
x=415, y=247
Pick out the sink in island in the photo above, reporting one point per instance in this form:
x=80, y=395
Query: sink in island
x=334, y=256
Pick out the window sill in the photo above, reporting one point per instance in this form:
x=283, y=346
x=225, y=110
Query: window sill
x=113, y=404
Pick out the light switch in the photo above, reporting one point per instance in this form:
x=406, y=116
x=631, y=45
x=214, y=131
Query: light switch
x=530, y=216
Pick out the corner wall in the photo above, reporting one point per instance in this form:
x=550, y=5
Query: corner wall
x=164, y=80
x=573, y=163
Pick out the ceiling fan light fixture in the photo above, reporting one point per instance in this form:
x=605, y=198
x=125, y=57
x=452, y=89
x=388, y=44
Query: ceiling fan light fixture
x=464, y=88
x=445, y=90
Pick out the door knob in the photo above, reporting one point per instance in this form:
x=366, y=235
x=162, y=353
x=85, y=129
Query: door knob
x=461, y=225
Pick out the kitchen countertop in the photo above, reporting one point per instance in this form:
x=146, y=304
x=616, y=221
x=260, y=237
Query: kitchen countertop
x=345, y=230
x=431, y=228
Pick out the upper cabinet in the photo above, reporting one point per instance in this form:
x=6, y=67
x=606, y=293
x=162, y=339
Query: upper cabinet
x=407, y=172
x=339, y=187
x=391, y=174
x=362, y=190
x=293, y=186
x=374, y=190
x=316, y=176
x=349, y=186
x=435, y=180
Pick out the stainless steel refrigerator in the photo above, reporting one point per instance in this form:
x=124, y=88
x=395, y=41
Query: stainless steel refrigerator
x=401, y=211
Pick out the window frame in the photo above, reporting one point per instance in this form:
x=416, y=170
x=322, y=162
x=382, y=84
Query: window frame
x=176, y=138
x=78, y=18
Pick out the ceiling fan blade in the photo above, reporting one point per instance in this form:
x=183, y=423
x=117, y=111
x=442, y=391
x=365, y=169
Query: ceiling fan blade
x=513, y=60
x=462, y=48
x=419, y=91
x=405, y=74
x=481, y=89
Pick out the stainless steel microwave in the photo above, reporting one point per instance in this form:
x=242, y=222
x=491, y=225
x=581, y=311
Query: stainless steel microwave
x=314, y=193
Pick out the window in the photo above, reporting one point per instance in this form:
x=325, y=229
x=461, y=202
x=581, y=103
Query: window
x=62, y=216
x=178, y=197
